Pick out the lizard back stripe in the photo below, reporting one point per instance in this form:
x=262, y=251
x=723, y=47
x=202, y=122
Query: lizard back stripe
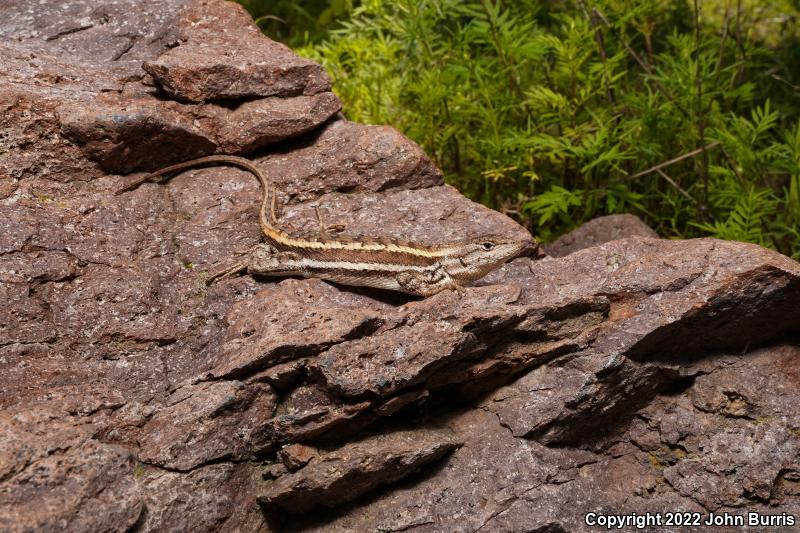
x=282, y=239
x=314, y=265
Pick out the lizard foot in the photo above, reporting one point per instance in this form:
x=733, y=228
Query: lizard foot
x=331, y=228
x=227, y=271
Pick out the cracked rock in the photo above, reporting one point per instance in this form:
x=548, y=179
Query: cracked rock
x=206, y=422
x=213, y=65
x=124, y=134
x=631, y=374
x=355, y=468
x=297, y=455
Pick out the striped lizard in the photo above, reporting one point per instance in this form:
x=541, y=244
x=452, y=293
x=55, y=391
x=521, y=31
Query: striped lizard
x=381, y=263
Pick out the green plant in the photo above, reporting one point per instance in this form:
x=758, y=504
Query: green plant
x=297, y=23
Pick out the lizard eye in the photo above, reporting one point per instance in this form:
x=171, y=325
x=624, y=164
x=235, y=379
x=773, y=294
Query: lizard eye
x=487, y=245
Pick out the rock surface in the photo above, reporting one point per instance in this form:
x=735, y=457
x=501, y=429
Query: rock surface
x=599, y=231
x=633, y=375
x=356, y=468
x=81, y=63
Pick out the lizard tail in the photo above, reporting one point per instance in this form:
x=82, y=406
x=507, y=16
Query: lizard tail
x=266, y=216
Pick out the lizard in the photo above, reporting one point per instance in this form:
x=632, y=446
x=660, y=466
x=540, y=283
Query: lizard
x=395, y=265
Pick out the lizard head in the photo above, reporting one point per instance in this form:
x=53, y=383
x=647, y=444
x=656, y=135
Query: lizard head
x=479, y=256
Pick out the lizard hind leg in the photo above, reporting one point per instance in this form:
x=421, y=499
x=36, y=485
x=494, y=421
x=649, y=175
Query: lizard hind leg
x=238, y=266
x=227, y=271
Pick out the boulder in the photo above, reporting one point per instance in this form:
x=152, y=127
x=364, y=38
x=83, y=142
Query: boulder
x=630, y=375
x=598, y=231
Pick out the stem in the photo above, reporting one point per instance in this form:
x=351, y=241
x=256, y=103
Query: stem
x=674, y=160
x=701, y=119
x=675, y=184
x=663, y=90
x=601, y=51
x=508, y=63
x=739, y=40
x=456, y=151
x=725, y=25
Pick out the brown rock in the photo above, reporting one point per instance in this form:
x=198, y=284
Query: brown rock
x=283, y=376
x=82, y=61
x=356, y=468
x=211, y=65
x=350, y=158
x=209, y=498
x=307, y=412
x=598, y=231
x=697, y=461
x=396, y=403
x=134, y=396
x=367, y=366
x=222, y=70
x=668, y=299
x=295, y=456
x=301, y=424
x=257, y=123
x=124, y=134
x=207, y=422
x=274, y=471
x=262, y=334
x=114, y=35
x=51, y=458
x=443, y=216
x=730, y=441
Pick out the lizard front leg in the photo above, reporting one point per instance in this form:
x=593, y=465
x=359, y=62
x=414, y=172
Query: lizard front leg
x=427, y=283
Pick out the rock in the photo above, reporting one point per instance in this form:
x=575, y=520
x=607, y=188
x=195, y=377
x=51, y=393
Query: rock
x=306, y=422
x=666, y=304
x=102, y=103
x=209, y=498
x=115, y=36
x=295, y=456
x=391, y=406
x=283, y=376
x=676, y=454
x=598, y=231
x=262, y=334
x=344, y=474
x=209, y=65
x=737, y=425
x=124, y=134
x=137, y=397
x=258, y=123
x=274, y=471
x=204, y=423
x=349, y=158
x=51, y=458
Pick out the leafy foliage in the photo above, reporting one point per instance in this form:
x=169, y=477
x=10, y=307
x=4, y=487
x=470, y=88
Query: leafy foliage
x=557, y=112
x=297, y=23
